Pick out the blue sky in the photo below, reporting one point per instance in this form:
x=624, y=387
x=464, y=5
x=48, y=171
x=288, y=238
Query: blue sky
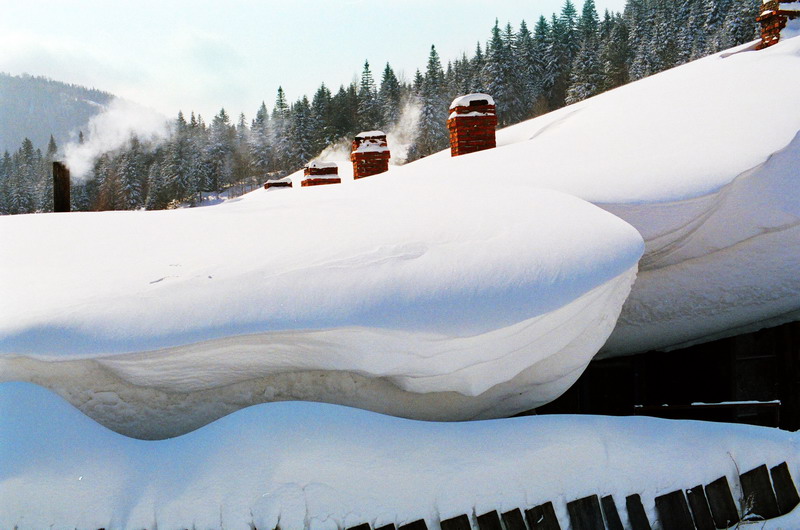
x=203, y=55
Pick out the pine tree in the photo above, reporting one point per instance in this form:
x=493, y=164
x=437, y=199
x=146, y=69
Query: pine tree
x=321, y=122
x=22, y=179
x=586, y=78
x=498, y=76
x=477, y=64
x=45, y=187
x=157, y=195
x=280, y=141
x=260, y=145
x=514, y=79
x=219, y=151
x=5, y=183
x=344, y=112
x=300, y=134
x=740, y=26
x=542, y=42
x=433, y=117
x=389, y=98
x=369, y=114
x=131, y=173
x=529, y=75
x=175, y=170
x=241, y=161
x=615, y=55
x=111, y=195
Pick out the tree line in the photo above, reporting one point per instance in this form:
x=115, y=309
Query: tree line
x=563, y=59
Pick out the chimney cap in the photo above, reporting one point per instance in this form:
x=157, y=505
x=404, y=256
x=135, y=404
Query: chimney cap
x=472, y=99
x=370, y=134
x=320, y=164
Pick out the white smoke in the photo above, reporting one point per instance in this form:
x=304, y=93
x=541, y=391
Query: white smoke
x=400, y=138
x=338, y=151
x=112, y=129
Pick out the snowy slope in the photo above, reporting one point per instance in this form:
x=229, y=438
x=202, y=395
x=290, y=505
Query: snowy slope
x=318, y=466
x=433, y=299
x=704, y=160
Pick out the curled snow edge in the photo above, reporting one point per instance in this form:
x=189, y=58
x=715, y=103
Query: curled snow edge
x=168, y=392
x=487, y=307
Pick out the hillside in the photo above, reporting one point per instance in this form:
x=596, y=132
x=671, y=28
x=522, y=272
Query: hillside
x=36, y=107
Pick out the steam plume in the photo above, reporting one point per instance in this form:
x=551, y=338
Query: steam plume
x=110, y=130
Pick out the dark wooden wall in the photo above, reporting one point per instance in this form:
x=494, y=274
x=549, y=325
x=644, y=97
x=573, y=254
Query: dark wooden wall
x=763, y=366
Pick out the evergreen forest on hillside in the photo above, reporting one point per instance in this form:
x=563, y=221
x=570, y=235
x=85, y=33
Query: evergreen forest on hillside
x=571, y=56
x=37, y=108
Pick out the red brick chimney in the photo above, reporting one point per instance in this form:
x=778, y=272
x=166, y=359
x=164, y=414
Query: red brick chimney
x=370, y=154
x=471, y=124
x=61, y=183
x=320, y=173
x=774, y=16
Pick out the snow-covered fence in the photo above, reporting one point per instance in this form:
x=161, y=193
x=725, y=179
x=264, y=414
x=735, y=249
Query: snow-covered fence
x=61, y=184
x=471, y=124
x=766, y=493
x=369, y=154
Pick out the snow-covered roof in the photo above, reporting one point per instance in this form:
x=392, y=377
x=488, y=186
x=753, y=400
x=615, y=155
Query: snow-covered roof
x=452, y=311
x=677, y=156
x=488, y=304
x=466, y=101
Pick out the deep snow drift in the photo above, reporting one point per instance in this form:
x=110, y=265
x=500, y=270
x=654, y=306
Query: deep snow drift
x=318, y=466
x=433, y=299
x=704, y=160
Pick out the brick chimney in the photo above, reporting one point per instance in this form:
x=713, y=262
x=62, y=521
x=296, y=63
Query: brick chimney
x=61, y=183
x=773, y=17
x=471, y=124
x=320, y=173
x=370, y=154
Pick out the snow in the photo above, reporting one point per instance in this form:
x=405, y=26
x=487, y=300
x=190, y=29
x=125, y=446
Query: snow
x=467, y=115
x=372, y=146
x=703, y=161
x=283, y=179
x=791, y=30
x=422, y=292
x=312, y=465
x=319, y=164
x=455, y=303
x=466, y=101
x=370, y=134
